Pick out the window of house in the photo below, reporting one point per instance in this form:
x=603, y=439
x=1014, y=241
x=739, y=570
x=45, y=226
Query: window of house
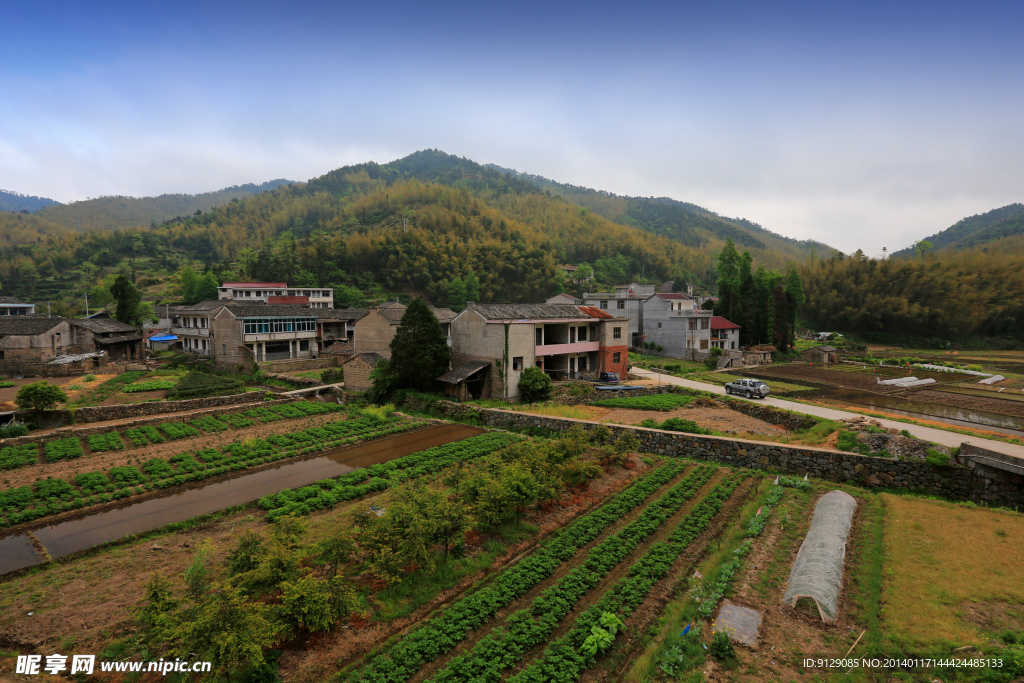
x=604, y=305
x=693, y=323
x=659, y=326
x=617, y=357
x=583, y=363
x=704, y=344
x=223, y=349
x=620, y=304
x=517, y=363
x=582, y=336
x=303, y=345
x=733, y=345
x=705, y=323
x=616, y=333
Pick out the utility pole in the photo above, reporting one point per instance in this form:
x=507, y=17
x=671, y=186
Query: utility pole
x=87, y=304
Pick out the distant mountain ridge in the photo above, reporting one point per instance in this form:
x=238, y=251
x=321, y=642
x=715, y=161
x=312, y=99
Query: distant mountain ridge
x=684, y=222
x=978, y=231
x=117, y=212
x=15, y=201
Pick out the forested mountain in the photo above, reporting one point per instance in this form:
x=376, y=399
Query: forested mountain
x=113, y=213
x=14, y=201
x=410, y=226
x=949, y=295
x=687, y=223
x=978, y=231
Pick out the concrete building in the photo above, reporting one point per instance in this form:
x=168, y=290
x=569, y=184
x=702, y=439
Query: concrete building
x=674, y=322
x=228, y=330
x=565, y=341
x=626, y=301
x=373, y=332
x=10, y=305
x=725, y=335
x=276, y=293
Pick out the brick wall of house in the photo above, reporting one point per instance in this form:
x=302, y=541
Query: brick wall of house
x=606, y=359
x=357, y=375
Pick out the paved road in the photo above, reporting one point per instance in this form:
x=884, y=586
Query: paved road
x=938, y=436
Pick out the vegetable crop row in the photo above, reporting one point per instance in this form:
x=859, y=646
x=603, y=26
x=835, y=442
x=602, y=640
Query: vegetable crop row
x=531, y=626
x=63, y=449
x=13, y=457
x=108, y=441
x=436, y=637
x=52, y=496
x=329, y=492
x=151, y=385
x=662, y=402
x=562, y=661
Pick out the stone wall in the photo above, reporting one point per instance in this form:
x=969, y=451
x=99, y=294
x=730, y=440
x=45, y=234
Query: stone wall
x=954, y=481
x=129, y=410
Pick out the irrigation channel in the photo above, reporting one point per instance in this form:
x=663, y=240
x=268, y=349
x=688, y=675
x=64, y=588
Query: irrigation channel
x=64, y=538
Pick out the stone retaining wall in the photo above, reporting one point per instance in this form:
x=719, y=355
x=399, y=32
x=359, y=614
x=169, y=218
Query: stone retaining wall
x=954, y=481
x=129, y=410
x=301, y=381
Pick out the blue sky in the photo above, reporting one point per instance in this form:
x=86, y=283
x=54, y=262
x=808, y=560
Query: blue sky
x=862, y=125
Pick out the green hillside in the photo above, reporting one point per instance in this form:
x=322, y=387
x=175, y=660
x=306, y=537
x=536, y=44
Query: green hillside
x=977, y=231
x=113, y=213
x=14, y=201
x=687, y=223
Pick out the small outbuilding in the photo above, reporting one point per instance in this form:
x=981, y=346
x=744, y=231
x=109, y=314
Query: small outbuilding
x=358, y=369
x=468, y=381
x=821, y=354
x=162, y=342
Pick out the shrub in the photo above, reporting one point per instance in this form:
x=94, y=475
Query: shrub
x=534, y=385
x=677, y=424
x=12, y=429
x=39, y=396
x=711, y=362
x=89, y=378
x=332, y=376
x=6, y=384
x=721, y=647
x=936, y=458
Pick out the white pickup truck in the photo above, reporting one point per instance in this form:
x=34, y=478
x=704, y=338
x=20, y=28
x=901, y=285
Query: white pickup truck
x=751, y=388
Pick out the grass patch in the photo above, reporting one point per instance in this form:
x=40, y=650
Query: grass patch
x=951, y=578
x=662, y=402
x=554, y=410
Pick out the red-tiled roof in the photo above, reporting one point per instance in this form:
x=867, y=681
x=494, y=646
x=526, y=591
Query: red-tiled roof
x=594, y=312
x=245, y=285
x=720, y=323
x=673, y=295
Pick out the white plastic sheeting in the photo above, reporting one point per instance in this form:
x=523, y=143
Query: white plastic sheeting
x=818, y=570
x=907, y=382
x=917, y=383
x=943, y=368
x=898, y=380
x=991, y=380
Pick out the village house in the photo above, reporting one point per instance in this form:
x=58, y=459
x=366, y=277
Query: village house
x=120, y=341
x=821, y=354
x=627, y=301
x=673, y=321
x=10, y=305
x=27, y=339
x=229, y=331
x=357, y=371
x=493, y=343
x=373, y=332
x=276, y=293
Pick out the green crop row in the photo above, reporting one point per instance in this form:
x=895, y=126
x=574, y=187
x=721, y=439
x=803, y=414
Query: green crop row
x=27, y=503
x=151, y=385
x=13, y=457
x=329, y=492
x=143, y=436
x=440, y=635
x=6, y=384
x=109, y=441
x=237, y=420
x=533, y=625
x=208, y=423
x=662, y=402
x=63, y=449
x=563, y=660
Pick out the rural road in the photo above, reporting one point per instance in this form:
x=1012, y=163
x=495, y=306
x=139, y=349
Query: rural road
x=938, y=436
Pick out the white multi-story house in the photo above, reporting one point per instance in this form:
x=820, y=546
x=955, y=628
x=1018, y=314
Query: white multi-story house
x=10, y=305
x=276, y=293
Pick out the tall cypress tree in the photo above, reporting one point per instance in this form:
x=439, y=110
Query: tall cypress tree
x=419, y=351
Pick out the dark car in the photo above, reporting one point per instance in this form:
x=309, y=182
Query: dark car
x=751, y=388
x=608, y=378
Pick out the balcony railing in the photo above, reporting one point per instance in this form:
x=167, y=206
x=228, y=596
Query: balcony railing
x=555, y=349
x=191, y=331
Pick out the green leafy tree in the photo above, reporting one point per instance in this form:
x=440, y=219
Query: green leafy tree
x=315, y=604
x=922, y=247
x=457, y=294
x=39, y=396
x=197, y=575
x=419, y=351
x=795, y=299
x=128, y=299
x=347, y=296
x=472, y=286
x=205, y=288
x=188, y=280
x=534, y=385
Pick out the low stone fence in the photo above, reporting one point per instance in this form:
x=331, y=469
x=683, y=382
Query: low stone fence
x=129, y=410
x=953, y=481
x=301, y=381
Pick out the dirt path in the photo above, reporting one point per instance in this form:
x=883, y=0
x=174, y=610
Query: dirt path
x=718, y=419
x=614, y=664
x=523, y=601
x=341, y=648
x=621, y=570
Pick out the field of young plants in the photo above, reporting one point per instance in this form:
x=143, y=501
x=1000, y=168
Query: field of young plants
x=52, y=496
